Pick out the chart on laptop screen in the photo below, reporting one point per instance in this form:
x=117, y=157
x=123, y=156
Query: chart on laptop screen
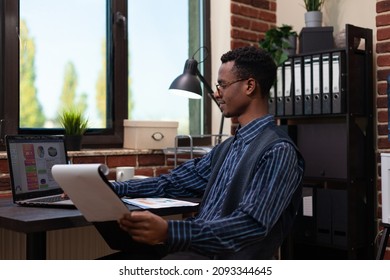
x=31, y=164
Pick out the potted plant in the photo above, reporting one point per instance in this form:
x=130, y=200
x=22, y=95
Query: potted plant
x=313, y=15
x=75, y=126
x=280, y=42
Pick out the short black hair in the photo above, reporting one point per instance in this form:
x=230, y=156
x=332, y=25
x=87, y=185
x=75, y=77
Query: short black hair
x=253, y=62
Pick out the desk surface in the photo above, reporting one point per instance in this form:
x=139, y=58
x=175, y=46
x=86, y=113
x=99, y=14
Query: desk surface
x=37, y=219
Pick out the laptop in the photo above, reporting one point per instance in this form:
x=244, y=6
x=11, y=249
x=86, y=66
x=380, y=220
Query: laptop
x=30, y=159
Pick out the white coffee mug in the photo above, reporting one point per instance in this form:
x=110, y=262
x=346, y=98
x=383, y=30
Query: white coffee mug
x=124, y=173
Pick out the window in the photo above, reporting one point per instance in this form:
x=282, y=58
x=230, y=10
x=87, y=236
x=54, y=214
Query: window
x=156, y=58
x=88, y=63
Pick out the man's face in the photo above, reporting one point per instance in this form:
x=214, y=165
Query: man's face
x=231, y=91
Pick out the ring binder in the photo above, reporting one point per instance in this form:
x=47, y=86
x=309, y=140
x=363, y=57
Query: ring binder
x=287, y=88
x=307, y=78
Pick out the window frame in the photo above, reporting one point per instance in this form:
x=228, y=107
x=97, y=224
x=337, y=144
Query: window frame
x=117, y=69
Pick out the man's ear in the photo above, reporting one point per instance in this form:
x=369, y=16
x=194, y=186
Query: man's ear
x=251, y=86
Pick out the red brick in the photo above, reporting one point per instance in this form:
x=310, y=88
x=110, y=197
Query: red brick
x=241, y=22
x=259, y=26
x=262, y=4
x=89, y=159
x=383, y=74
x=151, y=160
x=235, y=44
x=272, y=6
x=382, y=6
x=382, y=116
x=381, y=102
x=382, y=20
x=5, y=183
x=4, y=168
x=115, y=161
x=382, y=88
x=383, y=33
x=244, y=10
x=383, y=60
x=145, y=171
x=382, y=129
x=383, y=143
x=267, y=16
x=383, y=47
x=162, y=170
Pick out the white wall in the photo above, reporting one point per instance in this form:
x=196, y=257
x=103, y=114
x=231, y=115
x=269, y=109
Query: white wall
x=220, y=43
x=336, y=13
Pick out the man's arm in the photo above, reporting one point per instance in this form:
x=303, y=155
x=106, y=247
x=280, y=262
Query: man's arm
x=187, y=180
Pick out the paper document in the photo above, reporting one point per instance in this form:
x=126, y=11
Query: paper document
x=157, y=202
x=90, y=191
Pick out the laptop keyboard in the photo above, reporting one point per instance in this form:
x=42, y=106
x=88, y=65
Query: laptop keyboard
x=49, y=199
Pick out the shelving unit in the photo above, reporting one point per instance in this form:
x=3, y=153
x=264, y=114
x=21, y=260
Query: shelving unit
x=325, y=101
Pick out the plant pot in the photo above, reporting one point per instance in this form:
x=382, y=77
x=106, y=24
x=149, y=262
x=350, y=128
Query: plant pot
x=292, y=41
x=313, y=19
x=73, y=142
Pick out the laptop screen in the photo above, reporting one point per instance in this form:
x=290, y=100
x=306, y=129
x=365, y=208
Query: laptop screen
x=31, y=158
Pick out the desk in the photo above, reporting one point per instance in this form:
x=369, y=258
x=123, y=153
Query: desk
x=35, y=222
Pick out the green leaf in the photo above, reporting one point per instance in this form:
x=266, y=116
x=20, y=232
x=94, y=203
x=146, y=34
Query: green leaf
x=73, y=122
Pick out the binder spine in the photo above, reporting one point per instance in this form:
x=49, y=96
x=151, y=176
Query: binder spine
x=308, y=93
x=287, y=88
x=298, y=86
x=326, y=83
x=279, y=92
x=317, y=80
x=338, y=83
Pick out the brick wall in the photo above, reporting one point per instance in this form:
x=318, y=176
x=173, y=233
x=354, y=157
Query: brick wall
x=250, y=19
x=383, y=70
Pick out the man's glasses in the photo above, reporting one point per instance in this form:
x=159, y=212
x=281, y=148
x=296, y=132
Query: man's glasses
x=225, y=85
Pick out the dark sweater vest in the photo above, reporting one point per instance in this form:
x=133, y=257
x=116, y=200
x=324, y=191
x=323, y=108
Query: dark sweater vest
x=266, y=247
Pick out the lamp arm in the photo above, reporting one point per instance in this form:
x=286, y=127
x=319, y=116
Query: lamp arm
x=209, y=90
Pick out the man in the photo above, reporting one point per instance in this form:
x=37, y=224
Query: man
x=247, y=182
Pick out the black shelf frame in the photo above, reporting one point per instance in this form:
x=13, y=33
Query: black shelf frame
x=338, y=117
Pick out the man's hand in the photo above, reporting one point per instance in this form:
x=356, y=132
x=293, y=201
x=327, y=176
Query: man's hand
x=145, y=227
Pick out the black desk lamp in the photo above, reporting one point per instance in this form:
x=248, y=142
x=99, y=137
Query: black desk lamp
x=188, y=85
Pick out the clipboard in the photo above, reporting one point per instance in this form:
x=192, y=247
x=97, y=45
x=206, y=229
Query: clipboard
x=91, y=192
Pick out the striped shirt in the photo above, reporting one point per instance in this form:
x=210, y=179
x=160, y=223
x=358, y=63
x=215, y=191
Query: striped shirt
x=276, y=178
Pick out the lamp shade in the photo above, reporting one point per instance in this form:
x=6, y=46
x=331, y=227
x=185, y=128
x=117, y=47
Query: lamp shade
x=187, y=84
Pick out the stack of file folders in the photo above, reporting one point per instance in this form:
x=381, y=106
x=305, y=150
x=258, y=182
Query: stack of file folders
x=310, y=85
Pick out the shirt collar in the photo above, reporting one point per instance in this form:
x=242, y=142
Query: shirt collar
x=248, y=132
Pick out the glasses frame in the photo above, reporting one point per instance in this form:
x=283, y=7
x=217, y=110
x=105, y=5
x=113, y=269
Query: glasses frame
x=228, y=84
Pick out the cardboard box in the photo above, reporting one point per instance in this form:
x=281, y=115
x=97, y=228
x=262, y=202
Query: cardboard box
x=149, y=134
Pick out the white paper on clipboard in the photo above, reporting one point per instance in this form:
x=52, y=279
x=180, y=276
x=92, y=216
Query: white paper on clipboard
x=88, y=188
